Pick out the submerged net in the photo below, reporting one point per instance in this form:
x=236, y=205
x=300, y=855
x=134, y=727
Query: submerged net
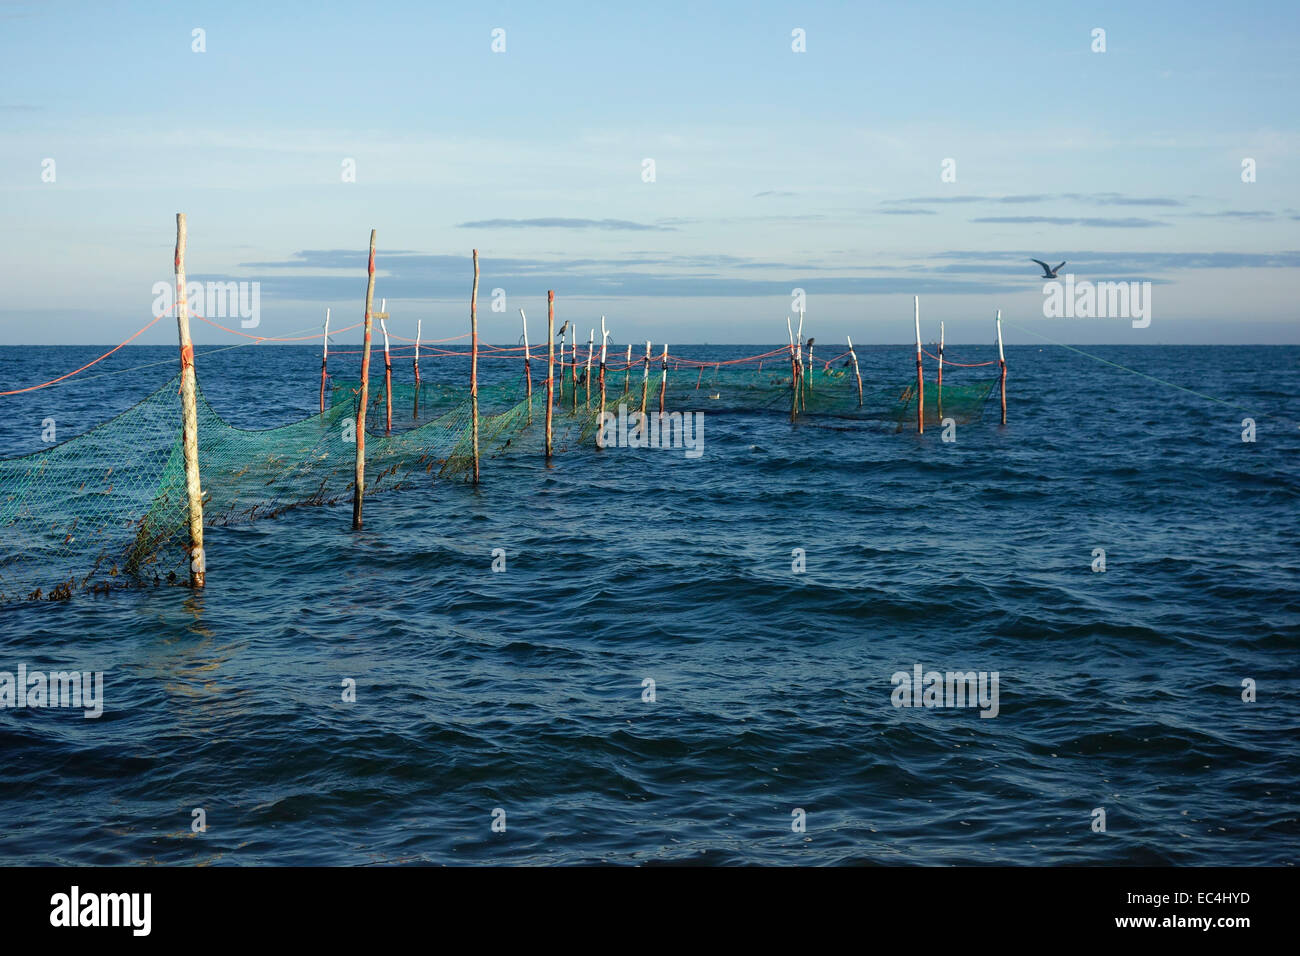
x=830, y=393
x=107, y=509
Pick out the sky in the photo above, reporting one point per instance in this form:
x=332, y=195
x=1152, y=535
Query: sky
x=775, y=170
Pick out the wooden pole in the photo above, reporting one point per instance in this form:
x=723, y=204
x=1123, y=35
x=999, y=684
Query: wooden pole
x=388, y=370
x=940, y=399
x=699, y=378
x=920, y=381
x=324, y=357
x=663, y=380
x=1002, y=363
x=189, y=416
x=473, y=363
x=415, y=413
x=798, y=342
x=645, y=378
x=359, y=481
x=856, y=372
x=586, y=375
x=604, y=345
x=563, y=332
x=794, y=372
x=573, y=372
x=528, y=367
x=812, y=367
x=550, y=365
x=628, y=370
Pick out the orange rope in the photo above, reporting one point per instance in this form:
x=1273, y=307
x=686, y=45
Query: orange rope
x=32, y=388
x=272, y=338
x=948, y=361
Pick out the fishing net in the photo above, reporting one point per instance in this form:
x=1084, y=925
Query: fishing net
x=829, y=393
x=107, y=509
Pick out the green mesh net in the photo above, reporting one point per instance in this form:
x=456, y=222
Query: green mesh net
x=831, y=393
x=107, y=509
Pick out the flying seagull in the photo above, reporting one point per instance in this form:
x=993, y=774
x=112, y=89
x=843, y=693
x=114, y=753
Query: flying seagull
x=1048, y=271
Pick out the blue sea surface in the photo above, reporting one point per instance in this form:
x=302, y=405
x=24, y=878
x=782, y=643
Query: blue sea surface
x=523, y=690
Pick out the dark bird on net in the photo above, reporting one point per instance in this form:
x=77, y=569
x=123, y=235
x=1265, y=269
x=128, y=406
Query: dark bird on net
x=810, y=342
x=563, y=327
x=1048, y=271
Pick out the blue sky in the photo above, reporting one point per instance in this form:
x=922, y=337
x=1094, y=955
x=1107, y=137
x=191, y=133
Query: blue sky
x=774, y=170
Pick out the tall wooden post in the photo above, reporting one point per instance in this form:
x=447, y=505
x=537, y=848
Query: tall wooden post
x=920, y=381
x=563, y=331
x=324, y=357
x=940, y=399
x=388, y=370
x=663, y=379
x=528, y=368
x=415, y=412
x=550, y=365
x=189, y=416
x=573, y=371
x=798, y=345
x=628, y=370
x=856, y=371
x=645, y=379
x=586, y=375
x=794, y=372
x=473, y=363
x=604, y=345
x=1002, y=363
x=359, y=480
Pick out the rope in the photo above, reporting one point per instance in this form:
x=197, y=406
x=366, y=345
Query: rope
x=32, y=388
x=948, y=361
x=272, y=338
x=1125, y=368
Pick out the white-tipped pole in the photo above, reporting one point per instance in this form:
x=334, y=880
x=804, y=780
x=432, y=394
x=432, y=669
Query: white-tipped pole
x=415, y=403
x=857, y=373
x=563, y=338
x=645, y=378
x=663, y=379
x=591, y=346
x=528, y=366
x=939, y=400
x=324, y=358
x=604, y=347
x=1002, y=363
x=798, y=347
x=388, y=371
x=920, y=381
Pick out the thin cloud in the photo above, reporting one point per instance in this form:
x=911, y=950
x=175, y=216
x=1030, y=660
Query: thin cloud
x=1098, y=199
x=1092, y=222
x=1237, y=214
x=622, y=225
x=928, y=200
